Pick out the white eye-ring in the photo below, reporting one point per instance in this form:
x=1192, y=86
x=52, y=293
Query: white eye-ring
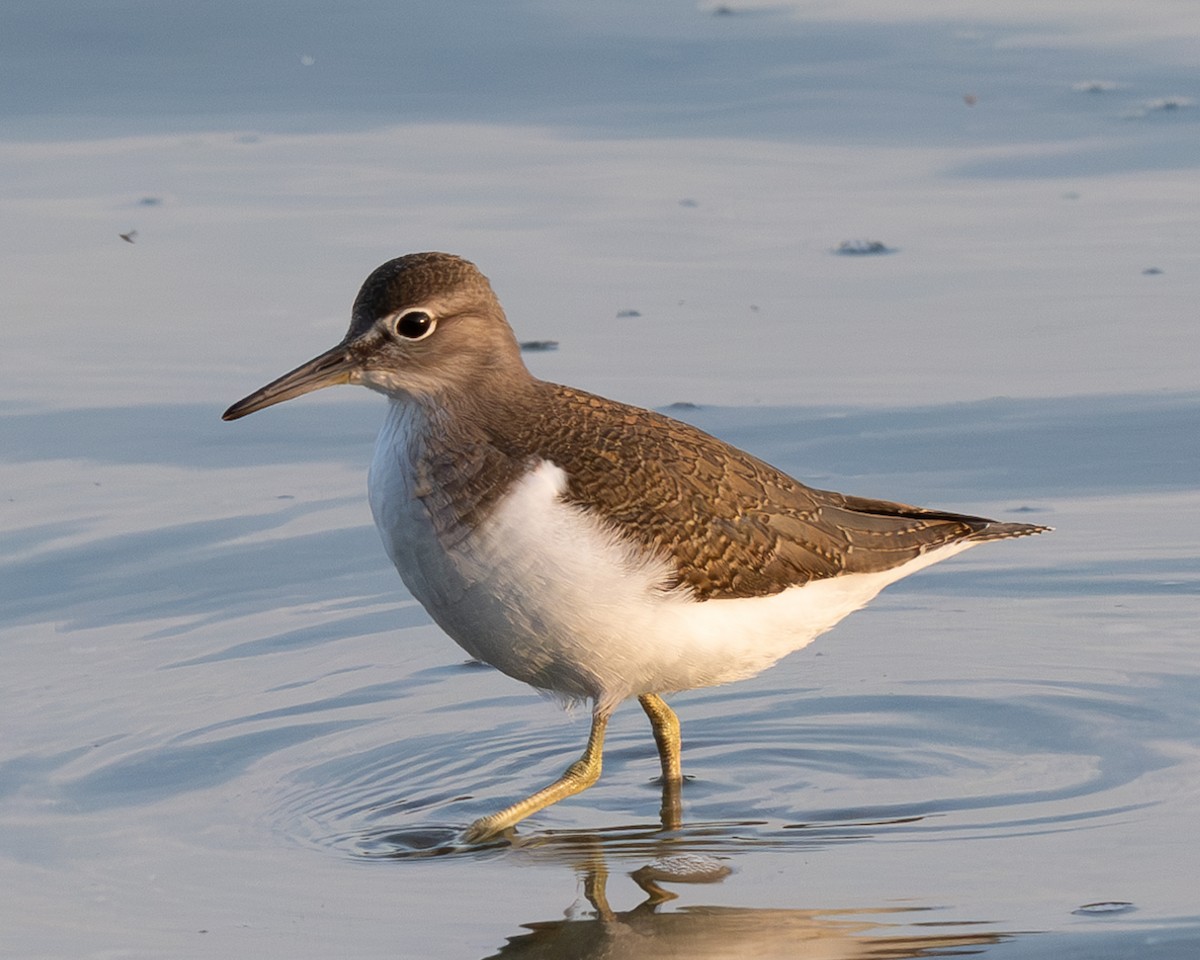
x=414, y=325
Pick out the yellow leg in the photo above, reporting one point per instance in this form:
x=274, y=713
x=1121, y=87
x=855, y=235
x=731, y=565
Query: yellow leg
x=577, y=777
x=666, y=735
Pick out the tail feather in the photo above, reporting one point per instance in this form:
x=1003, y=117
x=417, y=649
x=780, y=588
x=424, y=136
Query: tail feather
x=995, y=530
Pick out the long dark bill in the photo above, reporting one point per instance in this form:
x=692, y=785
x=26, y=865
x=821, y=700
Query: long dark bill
x=332, y=367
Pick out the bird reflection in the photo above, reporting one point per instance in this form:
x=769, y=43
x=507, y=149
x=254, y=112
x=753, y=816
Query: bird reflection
x=711, y=932
x=670, y=854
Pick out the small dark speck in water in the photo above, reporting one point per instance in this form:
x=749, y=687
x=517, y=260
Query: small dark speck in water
x=621, y=314
x=1161, y=105
x=128, y=237
x=688, y=202
x=538, y=346
x=285, y=496
x=1169, y=103
x=862, y=248
x=150, y=202
x=1151, y=272
x=754, y=308
x=683, y=405
x=1104, y=908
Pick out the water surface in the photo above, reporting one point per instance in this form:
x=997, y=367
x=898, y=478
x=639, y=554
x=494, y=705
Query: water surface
x=225, y=729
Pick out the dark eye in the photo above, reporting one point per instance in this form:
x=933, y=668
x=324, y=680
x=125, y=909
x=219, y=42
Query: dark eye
x=415, y=325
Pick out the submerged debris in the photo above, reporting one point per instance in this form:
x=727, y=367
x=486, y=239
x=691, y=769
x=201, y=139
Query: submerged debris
x=538, y=346
x=1161, y=105
x=1095, y=86
x=622, y=314
x=1168, y=103
x=1104, y=908
x=860, y=248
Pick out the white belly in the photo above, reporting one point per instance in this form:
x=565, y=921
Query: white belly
x=545, y=593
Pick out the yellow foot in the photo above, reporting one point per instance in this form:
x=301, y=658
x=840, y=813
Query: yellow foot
x=483, y=830
x=577, y=777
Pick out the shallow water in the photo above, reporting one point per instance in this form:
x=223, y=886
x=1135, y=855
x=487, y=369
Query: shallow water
x=228, y=718
x=225, y=729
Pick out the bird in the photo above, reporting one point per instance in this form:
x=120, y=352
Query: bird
x=594, y=550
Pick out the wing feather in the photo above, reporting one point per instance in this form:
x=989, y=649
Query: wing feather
x=733, y=525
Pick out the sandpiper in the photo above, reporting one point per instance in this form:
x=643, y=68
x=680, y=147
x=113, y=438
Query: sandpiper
x=595, y=550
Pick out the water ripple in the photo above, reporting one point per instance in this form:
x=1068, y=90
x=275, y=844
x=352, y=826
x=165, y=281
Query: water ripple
x=764, y=769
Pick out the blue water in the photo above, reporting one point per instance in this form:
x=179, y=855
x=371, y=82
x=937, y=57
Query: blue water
x=226, y=730
x=972, y=747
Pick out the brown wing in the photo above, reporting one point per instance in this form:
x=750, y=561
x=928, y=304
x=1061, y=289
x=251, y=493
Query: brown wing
x=734, y=525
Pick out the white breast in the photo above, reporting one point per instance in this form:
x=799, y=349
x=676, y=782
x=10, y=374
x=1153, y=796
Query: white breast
x=546, y=593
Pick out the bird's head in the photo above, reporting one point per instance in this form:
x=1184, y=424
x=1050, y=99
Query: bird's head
x=423, y=326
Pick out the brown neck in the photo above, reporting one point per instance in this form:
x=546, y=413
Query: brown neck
x=473, y=444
